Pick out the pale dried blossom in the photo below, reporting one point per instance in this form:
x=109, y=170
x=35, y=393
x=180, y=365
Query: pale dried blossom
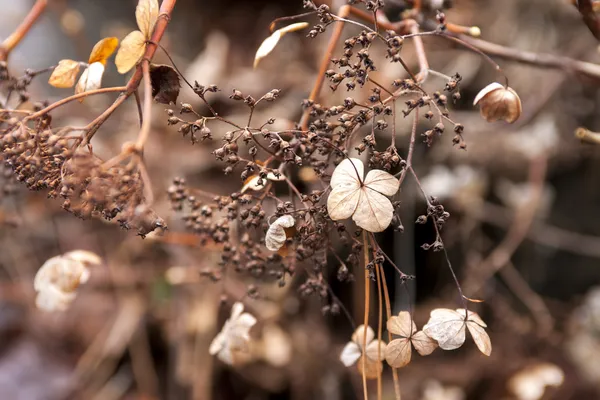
x=447, y=327
x=58, y=279
x=531, y=383
x=276, y=235
x=398, y=351
x=269, y=43
x=497, y=102
x=363, y=200
x=133, y=45
x=231, y=345
x=372, y=357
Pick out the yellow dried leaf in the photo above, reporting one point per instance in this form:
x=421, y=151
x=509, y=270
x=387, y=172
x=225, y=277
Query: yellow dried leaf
x=64, y=74
x=131, y=50
x=103, y=49
x=146, y=15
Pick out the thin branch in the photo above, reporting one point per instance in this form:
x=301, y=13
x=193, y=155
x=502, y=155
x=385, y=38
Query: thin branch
x=15, y=38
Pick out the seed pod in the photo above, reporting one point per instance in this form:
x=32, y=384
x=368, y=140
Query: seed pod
x=497, y=102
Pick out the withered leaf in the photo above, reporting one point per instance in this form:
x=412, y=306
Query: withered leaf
x=131, y=50
x=64, y=74
x=146, y=14
x=103, y=49
x=165, y=83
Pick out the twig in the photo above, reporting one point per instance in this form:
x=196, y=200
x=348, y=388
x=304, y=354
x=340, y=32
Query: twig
x=587, y=136
x=15, y=38
x=366, y=320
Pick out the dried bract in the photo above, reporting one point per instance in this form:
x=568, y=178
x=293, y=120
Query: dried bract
x=497, y=102
x=373, y=355
x=276, y=237
x=231, y=344
x=363, y=200
x=64, y=74
x=398, y=351
x=134, y=44
x=447, y=327
x=269, y=43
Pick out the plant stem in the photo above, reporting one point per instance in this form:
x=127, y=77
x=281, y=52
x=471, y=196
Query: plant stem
x=15, y=38
x=145, y=130
x=366, y=321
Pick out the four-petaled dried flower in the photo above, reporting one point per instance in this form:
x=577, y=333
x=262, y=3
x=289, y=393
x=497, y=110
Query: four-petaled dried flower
x=497, y=102
x=447, y=327
x=276, y=236
x=134, y=44
x=363, y=200
x=58, y=279
x=231, y=344
x=398, y=351
x=269, y=43
x=373, y=355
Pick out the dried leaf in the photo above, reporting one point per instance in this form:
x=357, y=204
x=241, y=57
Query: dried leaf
x=447, y=327
x=103, y=50
x=402, y=324
x=269, y=43
x=423, y=343
x=131, y=50
x=364, y=201
x=91, y=79
x=372, y=369
x=146, y=15
x=165, y=83
x=276, y=235
x=64, y=74
x=398, y=352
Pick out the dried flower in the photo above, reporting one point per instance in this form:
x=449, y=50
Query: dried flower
x=374, y=354
x=91, y=79
x=276, y=237
x=531, y=382
x=57, y=280
x=364, y=201
x=447, y=327
x=231, y=344
x=497, y=102
x=398, y=351
x=134, y=44
x=269, y=43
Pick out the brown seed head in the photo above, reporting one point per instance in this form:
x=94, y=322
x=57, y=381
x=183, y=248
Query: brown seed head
x=497, y=102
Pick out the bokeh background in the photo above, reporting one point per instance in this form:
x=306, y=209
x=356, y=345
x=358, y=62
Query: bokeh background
x=524, y=232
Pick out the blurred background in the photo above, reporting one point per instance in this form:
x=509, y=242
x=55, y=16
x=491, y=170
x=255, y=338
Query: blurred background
x=524, y=232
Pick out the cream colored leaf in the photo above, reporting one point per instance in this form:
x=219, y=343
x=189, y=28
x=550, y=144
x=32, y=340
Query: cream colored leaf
x=342, y=202
x=146, y=15
x=276, y=237
x=103, y=50
x=398, y=352
x=423, y=343
x=348, y=173
x=350, y=354
x=64, y=74
x=402, y=324
x=376, y=350
x=269, y=43
x=480, y=337
x=91, y=79
x=374, y=211
x=362, y=335
x=382, y=182
x=447, y=327
x=372, y=369
x=131, y=50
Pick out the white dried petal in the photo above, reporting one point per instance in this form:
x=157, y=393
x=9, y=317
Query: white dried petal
x=350, y=354
x=91, y=79
x=362, y=335
x=52, y=299
x=398, y=352
x=447, y=327
x=342, y=202
x=232, y=343
x=349, y=173
x=374, y=211
x=276, y=237
x=269, y=43
x=84, y=257
x=382, y=182
x=423, y=343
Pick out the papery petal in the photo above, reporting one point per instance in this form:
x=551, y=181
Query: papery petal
x=217, y=344
x=349, y=173
x=342, y=202
x=382, y=182
x=402, y=324
x=350, y=354
x=146, y=15
x=131, y=50
x=236, y=310
x=372, y=369
x=358, y=336
x=423, y=343
x=64, y=74
x=487, y=90
x=480, y=337
x=376, y=350
x=374, y=211
x=91, y=79
x=246, y=321
x=447, y=327
x=53, y=299
x=398, y=353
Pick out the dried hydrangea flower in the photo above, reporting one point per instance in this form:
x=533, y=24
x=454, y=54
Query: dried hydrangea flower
x=497, y=102
x=373, y=356
x=398, y=351
x=447, y=327
x=231, y=344
x=58, y=279
x=269, y=43
x=362, y=199
x=276, y=237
